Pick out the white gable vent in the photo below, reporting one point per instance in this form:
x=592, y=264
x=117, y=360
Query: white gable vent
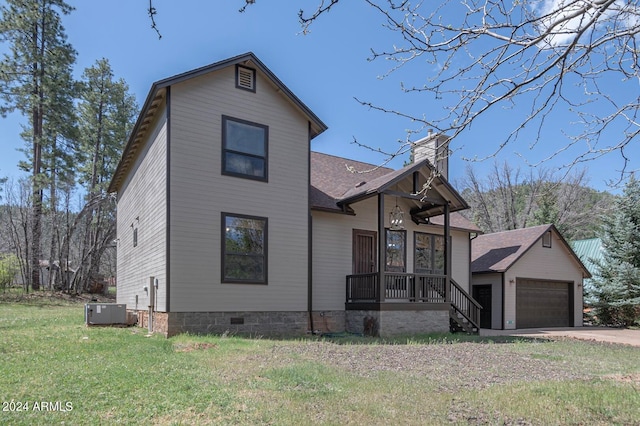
x=245, y=78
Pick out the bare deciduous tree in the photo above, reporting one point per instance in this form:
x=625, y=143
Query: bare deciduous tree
x=507, y=199
x=547, y=55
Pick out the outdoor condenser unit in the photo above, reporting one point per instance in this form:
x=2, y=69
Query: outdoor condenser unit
x=105, y=313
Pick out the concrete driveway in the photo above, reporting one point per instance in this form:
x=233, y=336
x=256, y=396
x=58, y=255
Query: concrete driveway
x=599, y=334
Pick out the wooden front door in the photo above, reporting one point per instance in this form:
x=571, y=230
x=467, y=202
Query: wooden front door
x=364, y=251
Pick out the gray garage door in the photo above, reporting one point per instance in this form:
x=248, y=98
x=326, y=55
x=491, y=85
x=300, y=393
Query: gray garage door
x=543, y=303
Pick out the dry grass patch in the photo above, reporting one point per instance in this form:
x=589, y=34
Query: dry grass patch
x=119, y=376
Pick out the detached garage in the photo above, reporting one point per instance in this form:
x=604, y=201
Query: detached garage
x=527, y=278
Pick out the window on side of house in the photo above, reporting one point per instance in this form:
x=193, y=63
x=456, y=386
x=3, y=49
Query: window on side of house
x=546, y=239
x=429, y=253
x=244, y=148
x=396, y=251
x=244, y=249
x=135, y=237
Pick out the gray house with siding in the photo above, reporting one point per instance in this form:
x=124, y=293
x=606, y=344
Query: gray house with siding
x=228, y=222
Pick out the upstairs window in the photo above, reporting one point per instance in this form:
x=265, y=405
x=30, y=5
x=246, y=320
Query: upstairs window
x=546, y=239
x=244, y=148
x=244, y=249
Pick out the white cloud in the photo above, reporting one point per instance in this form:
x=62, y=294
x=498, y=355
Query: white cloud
x=564, y=19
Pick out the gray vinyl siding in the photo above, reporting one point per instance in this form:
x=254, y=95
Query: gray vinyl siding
x=542, y=263
x=460, y=248
x=333, y=247
x=332, y=252
x=142, y=203
x=200, y=192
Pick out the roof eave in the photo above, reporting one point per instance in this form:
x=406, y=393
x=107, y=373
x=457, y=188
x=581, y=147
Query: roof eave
x=154, y=92
x=461, y=204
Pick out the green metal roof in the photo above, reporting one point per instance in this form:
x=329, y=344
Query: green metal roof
x=588, y=251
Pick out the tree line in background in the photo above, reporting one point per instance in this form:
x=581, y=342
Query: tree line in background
x=507, y=198
x=59, y=223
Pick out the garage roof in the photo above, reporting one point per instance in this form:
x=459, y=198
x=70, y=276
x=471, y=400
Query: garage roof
x=498, y=251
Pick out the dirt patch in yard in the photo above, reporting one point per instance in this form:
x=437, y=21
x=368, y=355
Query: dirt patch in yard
x=464, y=365
x=633, y=378
x=193, y=346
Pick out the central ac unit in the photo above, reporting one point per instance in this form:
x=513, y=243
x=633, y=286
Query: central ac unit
x=105, y=313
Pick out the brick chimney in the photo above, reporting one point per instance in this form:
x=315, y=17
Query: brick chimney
x=433, y=147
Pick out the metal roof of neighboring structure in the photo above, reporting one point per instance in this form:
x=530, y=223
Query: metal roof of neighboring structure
x=589, y=250
x=498, y=251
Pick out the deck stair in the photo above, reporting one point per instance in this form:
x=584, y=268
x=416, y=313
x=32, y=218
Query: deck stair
x=464, y=315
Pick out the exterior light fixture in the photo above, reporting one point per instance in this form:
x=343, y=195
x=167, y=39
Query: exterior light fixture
x=396, y=218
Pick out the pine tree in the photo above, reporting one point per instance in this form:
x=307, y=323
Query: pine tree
x=106, y=113
x=35, y=80
x=616, y=286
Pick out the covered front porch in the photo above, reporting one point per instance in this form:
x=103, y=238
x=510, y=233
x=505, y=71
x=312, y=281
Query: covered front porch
x=413, y=292
x=384, y=278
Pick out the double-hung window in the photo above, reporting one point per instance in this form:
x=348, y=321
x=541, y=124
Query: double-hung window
x=244, y=148
x=429, y=253
x=396, y=251
x=244, y=249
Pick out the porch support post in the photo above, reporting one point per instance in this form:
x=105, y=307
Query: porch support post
x=447, y=253
x=381, y=249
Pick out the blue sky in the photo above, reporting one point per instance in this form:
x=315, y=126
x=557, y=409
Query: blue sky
x=326, y=69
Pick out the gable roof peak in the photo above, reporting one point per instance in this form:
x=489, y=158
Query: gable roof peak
x=498, y=251
x=157, y=96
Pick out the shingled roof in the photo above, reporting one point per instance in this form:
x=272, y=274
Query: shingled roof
x=333, y=182
x=498, y=251
x=331, y=178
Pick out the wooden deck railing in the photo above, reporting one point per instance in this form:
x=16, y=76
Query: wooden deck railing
x=416, y=288
x=362, y=287
x=429, y=288
x=465, y=305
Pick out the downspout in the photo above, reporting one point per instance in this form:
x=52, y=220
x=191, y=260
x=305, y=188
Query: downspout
x=309, y=237
x=381, y=249
x=502, y=319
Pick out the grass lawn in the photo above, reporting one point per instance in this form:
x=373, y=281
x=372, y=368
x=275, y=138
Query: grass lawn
x=54, y=370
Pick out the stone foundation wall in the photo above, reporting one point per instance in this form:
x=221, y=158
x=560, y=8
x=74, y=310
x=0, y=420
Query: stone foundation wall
x=291, y=324
x=160, y=321
x=394, y=323
x=271, y=324
x=268, y=324
x=328, y=322
x=363, y=322
x=414, y=322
